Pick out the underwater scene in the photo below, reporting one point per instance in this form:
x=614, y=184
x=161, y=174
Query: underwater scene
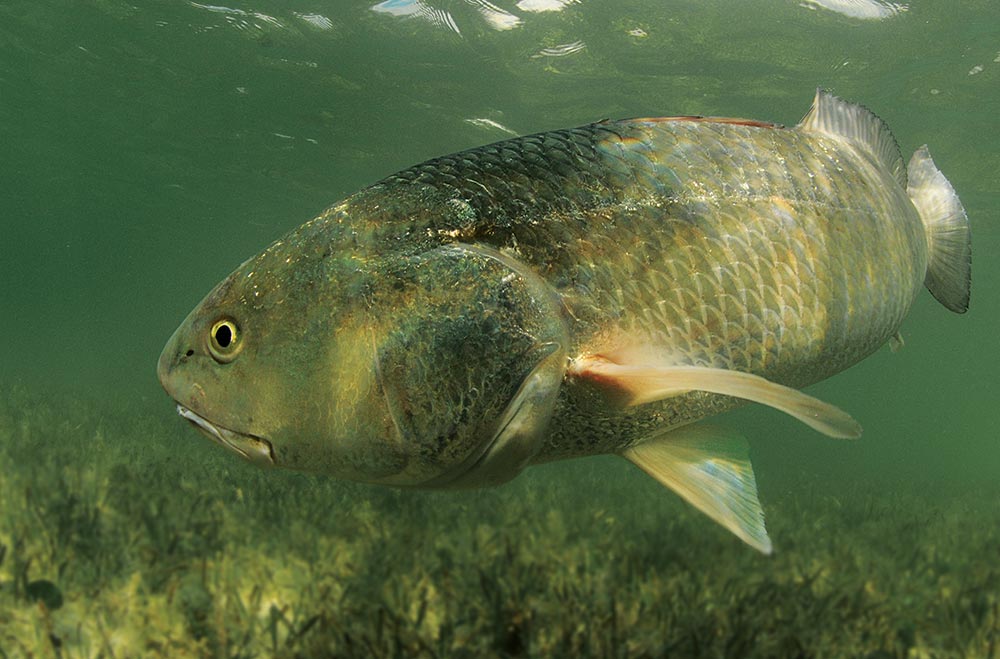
x=149, y=148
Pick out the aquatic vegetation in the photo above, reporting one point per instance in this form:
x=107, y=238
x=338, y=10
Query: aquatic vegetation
x=121, y=536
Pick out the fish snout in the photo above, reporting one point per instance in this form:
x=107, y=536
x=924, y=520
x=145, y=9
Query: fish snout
x=168, y=360
x=176, y=353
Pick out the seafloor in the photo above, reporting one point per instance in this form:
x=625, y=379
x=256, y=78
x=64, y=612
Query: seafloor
x=121, y=537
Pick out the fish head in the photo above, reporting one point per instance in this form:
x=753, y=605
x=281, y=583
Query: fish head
x=436, y=367
x=239, y=364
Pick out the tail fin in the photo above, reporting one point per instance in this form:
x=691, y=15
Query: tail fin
x=949, y=258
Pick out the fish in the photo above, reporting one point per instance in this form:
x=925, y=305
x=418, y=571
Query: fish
x=603, y=289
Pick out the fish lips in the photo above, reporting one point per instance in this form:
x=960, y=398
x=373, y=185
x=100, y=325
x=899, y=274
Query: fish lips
x=251, y=447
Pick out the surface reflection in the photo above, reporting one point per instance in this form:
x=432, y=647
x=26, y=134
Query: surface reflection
x=864, y=9
x=418, y=9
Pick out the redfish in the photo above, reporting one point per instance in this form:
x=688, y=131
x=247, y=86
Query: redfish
x=601, y=289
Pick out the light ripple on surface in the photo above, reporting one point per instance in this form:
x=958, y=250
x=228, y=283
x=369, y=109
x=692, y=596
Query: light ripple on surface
x=545, y=5
x=495, y=16
x=561, y=50
x=418, y=9
x=316, y=20
x=864, y=9
x=489, y=123
x=242, y=22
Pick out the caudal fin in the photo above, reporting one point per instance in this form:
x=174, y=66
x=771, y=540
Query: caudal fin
x=949, y=258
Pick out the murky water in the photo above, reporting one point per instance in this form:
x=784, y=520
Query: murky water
x=148, y=148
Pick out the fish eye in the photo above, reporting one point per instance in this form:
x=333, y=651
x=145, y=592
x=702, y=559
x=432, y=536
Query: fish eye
x=224, y=341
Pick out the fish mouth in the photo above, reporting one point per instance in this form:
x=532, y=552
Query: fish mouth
x=251, y=447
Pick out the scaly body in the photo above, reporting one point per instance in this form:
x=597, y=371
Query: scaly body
x=585, y=291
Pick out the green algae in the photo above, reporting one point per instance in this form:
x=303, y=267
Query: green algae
x=156, y=546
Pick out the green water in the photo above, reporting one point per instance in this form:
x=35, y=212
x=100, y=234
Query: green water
x=148, y=148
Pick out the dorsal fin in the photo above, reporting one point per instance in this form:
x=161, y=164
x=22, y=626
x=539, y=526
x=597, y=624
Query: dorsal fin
x=696, y=118
x=838, y=118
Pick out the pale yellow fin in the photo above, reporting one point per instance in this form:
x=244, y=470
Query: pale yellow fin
x=710, y=469
x=842, y=120
x=949, y=258
x=647, y=383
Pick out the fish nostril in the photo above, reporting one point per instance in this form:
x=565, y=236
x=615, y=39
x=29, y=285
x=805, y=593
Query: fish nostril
x=189, y=353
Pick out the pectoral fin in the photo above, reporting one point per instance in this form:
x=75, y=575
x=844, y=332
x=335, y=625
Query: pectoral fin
x=520, y=431
x=710, y=469
x=639, y=384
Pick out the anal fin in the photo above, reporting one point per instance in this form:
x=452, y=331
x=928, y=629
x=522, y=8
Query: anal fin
x=709, y=468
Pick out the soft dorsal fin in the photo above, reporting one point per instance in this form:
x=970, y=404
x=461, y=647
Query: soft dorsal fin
x=838, y=118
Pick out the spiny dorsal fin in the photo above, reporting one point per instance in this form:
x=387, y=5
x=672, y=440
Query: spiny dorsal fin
x=838, y=118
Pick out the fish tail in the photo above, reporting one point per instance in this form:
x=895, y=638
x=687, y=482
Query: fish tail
x=949, y=253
